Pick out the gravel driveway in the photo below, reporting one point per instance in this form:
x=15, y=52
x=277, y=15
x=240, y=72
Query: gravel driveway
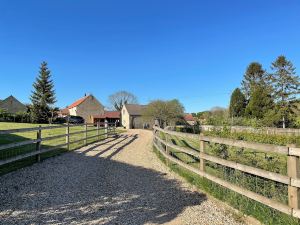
x=118, y=181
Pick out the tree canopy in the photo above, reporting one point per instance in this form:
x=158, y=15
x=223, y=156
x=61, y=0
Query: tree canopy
x=118, y=99
x=285, y=85
x=254, y=75
x=165, y=112
x=260, y=102
x=237, y=103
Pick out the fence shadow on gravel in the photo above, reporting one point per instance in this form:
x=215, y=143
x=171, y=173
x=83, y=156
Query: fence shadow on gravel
x=76, y=188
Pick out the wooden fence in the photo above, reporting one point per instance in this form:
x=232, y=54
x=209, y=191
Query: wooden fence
x=108, y=129
x=263, y=130
x=292, y=179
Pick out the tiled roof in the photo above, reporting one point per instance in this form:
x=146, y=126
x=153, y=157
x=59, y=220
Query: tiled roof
x=109, y=114
x=189, y=117
x=78, y=102
x=135, y=109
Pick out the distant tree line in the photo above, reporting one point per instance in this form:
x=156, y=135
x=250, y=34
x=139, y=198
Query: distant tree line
x=265, y=98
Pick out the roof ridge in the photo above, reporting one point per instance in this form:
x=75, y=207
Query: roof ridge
x=78, y=102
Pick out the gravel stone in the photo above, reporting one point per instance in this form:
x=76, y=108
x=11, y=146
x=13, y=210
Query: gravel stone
x=116, y=182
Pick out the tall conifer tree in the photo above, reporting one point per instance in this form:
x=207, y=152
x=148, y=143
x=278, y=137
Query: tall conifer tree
x=237, y=103
x=285, y=86
x=254, y=75
x=43, y=96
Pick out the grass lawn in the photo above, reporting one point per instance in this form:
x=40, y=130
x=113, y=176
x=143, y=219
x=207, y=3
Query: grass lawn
x=23, y=136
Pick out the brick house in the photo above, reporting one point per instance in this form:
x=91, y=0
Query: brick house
x=190, y=119
x=85, y=107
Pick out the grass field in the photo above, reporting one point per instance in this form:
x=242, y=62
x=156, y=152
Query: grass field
x=17, y=137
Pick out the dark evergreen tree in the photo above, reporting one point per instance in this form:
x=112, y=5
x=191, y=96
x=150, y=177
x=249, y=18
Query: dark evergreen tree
x=43, y=96
x=237, y=103
x=254, y=75
x=260, y=102
x=285, y=86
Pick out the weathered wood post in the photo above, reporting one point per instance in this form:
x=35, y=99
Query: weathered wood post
x=115, y=129
x=98, y=129
x=202, y=144
x=38, y=143
x=85, y=133
x=293, y=169
x=68, y=136
x=167, y=148
x=167, y=141
x=106, y=129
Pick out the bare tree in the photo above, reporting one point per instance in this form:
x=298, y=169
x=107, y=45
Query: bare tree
x=118, y=99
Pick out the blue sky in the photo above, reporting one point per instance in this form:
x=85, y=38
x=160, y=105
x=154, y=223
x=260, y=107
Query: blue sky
x=196, y=51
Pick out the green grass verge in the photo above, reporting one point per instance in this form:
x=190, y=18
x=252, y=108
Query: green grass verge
x=245, y=205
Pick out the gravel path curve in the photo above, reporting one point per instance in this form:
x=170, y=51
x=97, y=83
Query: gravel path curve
x=118, y=181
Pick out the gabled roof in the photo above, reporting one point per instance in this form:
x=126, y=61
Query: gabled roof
x=109, y=114
x=135, y=109
x=12, y=108
x=78, y=102
x=189, y=117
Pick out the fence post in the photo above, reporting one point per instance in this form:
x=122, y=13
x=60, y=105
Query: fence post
x=202, y=162
x=167, y=141
x=115, y=129
x=98, y=133
x=293, y=169
x=39, y=143
x=106, y=129
x=167, y=149
x=85, y=134
x=68, y=136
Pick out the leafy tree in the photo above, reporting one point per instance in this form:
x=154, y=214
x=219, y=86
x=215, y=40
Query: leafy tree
x=285, y=86
x=165, y=112
x=254, y=75
x=118, y=99
x=218, y=116
x=260, y=102
x=43, y=96
x=237, y=103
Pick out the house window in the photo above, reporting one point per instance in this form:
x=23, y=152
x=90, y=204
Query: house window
x=123, y=111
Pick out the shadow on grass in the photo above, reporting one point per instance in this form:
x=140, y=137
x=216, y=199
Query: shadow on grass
x=13, y=152
x=78, y=188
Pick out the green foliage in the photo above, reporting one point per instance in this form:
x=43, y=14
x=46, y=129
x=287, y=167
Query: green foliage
x=245, y=205
x=43, y=96
x=260, y=102
x=216, y=116
x=255, y=137
x=254, y=75
x=285, y=86
x=237, y=103
x=165, y=112
x=19, y=117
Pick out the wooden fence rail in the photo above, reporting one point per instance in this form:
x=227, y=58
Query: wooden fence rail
x=109, y=129
x=292, y=179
